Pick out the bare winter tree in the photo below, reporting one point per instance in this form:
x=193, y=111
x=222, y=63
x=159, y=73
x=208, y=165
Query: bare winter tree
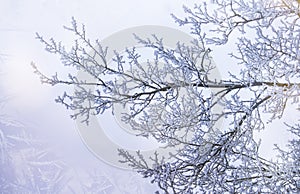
x=174, y=98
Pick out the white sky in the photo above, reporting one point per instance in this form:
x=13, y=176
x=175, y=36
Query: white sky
x=33, y=103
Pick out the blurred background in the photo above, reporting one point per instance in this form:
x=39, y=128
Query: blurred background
x=41, y=149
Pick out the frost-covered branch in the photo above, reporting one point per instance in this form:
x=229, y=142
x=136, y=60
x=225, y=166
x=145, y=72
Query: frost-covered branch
x=174, y=97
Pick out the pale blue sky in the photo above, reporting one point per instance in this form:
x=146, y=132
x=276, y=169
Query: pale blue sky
x=33, y=103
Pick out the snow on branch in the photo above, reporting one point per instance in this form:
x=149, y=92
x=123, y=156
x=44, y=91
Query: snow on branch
x=174, y=98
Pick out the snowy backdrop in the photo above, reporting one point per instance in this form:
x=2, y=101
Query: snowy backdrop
x=41, y=150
